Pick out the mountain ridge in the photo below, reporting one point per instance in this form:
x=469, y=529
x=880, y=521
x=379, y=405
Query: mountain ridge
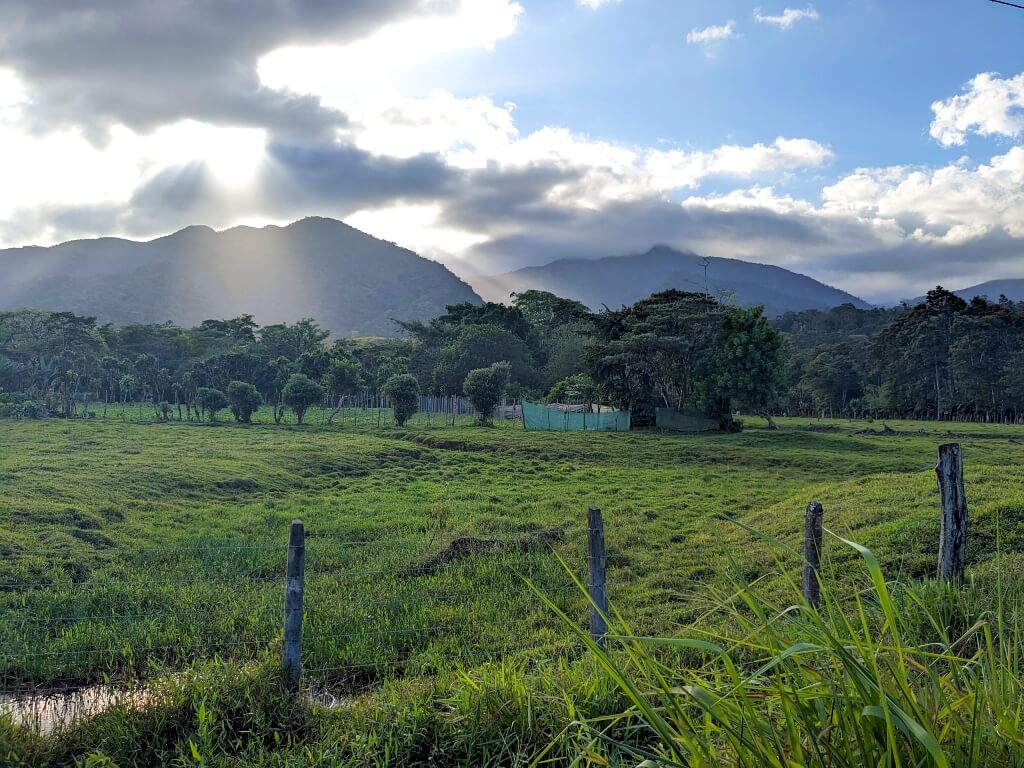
x=1011, y=287
x=614, y=281
x=349, y=281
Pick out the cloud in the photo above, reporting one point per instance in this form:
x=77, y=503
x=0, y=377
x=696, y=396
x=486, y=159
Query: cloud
x=596, y=3
x=713, y=34
x=787, y=18
x=989, y=106
x=146, y=63
x=950, y=204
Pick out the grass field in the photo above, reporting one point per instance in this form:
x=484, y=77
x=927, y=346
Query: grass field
x=128, y=550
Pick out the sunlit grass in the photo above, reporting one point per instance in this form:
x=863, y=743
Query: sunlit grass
x=185, y=526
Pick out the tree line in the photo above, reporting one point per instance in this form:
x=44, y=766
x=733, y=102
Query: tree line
x=944, y=357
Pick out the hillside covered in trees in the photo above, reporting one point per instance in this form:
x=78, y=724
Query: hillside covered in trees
x=351, y=282
x=944, y=357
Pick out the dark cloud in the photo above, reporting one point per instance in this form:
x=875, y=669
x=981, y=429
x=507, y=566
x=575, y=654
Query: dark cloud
x=149, y=62
x=350, y=178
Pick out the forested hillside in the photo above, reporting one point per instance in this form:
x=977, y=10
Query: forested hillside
x=352, y=283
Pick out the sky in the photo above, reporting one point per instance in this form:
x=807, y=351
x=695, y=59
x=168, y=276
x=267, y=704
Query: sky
x=876, y=146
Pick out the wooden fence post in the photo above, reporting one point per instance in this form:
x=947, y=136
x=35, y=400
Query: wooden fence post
x=812, y=553
x=293, y=597
x=953, y=521
x=596, y=584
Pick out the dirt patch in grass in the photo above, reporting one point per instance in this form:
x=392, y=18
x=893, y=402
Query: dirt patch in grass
x=468, y=546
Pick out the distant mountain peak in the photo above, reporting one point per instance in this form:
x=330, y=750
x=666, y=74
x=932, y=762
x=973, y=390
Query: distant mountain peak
x=350, y=282
x=621, y=280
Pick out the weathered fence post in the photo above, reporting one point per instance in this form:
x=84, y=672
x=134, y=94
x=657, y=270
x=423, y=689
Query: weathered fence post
x=812, y=553
x=953, y=522
x=293, y=596
x=596, y=584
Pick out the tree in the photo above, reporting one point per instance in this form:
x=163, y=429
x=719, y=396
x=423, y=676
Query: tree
x=300, y=393
x=213, y=400
x=578, y=387
x=548, y=312
x=403, y=392
x=484, y=388
x=244, y=400
x=478, y=346
x=749, y=366
x=656, y=352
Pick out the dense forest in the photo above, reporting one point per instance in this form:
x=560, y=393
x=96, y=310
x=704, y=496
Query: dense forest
x=945, y=357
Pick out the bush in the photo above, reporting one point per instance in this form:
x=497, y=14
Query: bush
x=244, y=400
x=163, y=411
x=300, y=393
x=33, y=409
x=403, y=392
x=212, y=400
x=484, y=388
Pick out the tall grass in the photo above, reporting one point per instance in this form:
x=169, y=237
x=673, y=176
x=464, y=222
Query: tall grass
x=883, y=675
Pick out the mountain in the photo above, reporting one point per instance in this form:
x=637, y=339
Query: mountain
x=618, y=280
x=1012, y=289
x=350, y=282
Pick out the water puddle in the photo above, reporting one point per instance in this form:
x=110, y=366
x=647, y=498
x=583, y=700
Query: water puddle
x=47, y=711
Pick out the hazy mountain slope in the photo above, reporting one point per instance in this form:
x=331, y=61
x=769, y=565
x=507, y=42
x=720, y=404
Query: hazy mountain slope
x=321, y=268
x=1012, y=289
x=619, y=280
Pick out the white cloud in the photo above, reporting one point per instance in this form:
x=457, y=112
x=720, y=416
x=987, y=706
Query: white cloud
x=390, y=61
x=951, y=204
x=63, y=168
x=788, y=17
x=596, y=3
x=417, y=227
x=713, y=34
x=989, y=106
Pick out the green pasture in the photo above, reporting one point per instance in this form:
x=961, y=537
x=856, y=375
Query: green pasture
x=130, y=549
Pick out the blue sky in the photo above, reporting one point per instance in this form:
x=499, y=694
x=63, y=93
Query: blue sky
x=861, y=78
x=876, y=146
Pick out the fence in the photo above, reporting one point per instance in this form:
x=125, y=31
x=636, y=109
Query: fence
x=357, y=608
x=559, y=419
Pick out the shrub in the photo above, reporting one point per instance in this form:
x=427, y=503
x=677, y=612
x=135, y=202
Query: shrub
x=403, y=392
x=484, y=388
x=300, y=393
x=33, y=409
x=244, y=400
x=163, y=411
x=212, y=400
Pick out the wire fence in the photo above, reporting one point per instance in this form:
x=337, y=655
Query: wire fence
x=370, y=608
x=362, y=410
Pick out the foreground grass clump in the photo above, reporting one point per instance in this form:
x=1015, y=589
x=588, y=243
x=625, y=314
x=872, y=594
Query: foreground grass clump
x=913, y=674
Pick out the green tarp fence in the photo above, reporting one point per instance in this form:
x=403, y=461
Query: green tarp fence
x=690, y=420
x=554, y=420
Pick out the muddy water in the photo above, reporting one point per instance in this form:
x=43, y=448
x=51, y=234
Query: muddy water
x=48, y=711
